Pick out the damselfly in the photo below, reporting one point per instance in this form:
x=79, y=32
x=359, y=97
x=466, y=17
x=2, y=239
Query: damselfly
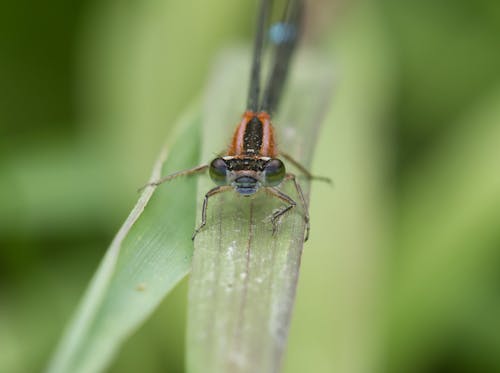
x=252, y=161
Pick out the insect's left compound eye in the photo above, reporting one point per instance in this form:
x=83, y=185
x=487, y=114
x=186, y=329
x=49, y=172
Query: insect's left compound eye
x=274, y=172
x=218, y=171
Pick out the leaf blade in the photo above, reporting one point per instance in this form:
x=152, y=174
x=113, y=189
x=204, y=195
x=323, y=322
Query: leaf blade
x=243, y=279
x=149, y=256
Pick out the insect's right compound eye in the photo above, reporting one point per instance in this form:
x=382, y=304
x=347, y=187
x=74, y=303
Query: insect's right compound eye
x=218, y=171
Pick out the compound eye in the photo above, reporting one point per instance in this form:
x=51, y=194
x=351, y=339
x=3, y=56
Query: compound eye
x=218, y=171
x=274, y=172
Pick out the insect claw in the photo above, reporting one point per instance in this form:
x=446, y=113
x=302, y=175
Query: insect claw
x=275, y=225
x=194, y=234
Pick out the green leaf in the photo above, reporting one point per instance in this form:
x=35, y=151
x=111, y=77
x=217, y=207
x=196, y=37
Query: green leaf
x=243, y=280
x=153, y=250
x=150, y=254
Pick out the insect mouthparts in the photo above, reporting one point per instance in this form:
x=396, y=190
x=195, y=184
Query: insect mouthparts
x=246, y=185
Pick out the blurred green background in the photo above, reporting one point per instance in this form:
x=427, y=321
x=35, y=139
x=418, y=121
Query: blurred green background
x=402, y=271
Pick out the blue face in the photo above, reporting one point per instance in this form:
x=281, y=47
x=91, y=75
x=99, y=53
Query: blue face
x=246, y=185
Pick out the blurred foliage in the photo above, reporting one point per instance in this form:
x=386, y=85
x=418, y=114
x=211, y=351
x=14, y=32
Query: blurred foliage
x=402, y=270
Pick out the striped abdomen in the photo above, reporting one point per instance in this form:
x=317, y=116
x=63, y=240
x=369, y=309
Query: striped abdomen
x=254, y=136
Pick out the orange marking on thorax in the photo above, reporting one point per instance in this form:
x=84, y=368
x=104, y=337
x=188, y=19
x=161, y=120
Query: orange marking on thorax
x=268, y=147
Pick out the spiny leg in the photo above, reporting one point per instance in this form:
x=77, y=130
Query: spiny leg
x=302, y=200
x=304, y=170
x=210, y=193
x=190, y=171
x=282, y=196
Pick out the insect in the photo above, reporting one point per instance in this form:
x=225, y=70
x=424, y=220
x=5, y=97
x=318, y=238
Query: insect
x=252, y=161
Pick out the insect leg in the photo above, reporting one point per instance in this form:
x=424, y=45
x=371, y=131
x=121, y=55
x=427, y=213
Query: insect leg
x=302, y=200
x=190, y=171
x=210, y=193
x=304, y=170
x=282, y=196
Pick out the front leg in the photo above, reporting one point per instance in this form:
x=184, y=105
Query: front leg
x=291, y=204
x=210, y=193
x=277, y=214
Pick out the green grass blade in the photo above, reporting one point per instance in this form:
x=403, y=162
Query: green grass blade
x=243, y=280
x=149, y=256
